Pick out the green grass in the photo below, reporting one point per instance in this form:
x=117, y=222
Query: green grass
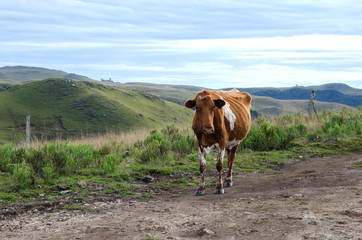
x=357, y=165
x=84, y=107
x=146, y=195
x=168, y=155
x=73, y=207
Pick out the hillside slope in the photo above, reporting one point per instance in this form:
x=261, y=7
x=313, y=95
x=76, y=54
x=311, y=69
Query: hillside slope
x=268, y=106
x=337, y=93
x=261, y=104
x=61, y=106
x=24, y=74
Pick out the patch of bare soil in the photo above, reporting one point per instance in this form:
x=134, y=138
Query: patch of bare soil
x=319, y=198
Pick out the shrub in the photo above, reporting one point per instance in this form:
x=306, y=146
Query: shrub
x=58, y=157
x=268, y=136
x=109, y=164
x=181, y=144
x=312, y=136
x=80, y=157
x=6, y=155
x=48, y=173
x=337, y=132
x=22, y=176
x=334, y=120
x=184, y=145
x=154, y=147
x=38, y=159
x=302, y=129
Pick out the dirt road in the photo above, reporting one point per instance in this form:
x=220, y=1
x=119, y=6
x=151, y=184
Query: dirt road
x=319, y=198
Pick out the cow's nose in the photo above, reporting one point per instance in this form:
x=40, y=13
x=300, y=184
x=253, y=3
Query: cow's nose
x=207, y=130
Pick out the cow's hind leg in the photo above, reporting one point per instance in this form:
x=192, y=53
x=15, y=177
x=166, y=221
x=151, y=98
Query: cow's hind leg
x=231, y=159
x=219, y=163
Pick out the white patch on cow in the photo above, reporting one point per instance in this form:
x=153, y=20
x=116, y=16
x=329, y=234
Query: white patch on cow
x=202, y=158
x=220, y=157
x=229, y=178
x=233, y=143
x=204, y=96
x=229, y=115
x=206, y=150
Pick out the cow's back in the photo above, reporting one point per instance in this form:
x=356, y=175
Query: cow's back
x=240, y=105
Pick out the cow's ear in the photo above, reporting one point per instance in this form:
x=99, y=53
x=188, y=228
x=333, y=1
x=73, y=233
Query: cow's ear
x=219, y=103
x=190, y=103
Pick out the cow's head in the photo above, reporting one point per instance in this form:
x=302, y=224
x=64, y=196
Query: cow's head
x=205, y=107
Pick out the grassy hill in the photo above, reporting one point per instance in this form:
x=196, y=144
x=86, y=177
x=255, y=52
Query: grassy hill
x=268, y=106
x=266, y=101
x=173, y=93
x=337, y=93
x=343, y=88
x=25, y=74
x=262, y=104
x=61, y=106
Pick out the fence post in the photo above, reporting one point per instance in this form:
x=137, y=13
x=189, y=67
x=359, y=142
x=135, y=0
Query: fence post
x=27, y=132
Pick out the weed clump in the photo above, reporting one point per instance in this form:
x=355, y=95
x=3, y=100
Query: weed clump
x=164, y=145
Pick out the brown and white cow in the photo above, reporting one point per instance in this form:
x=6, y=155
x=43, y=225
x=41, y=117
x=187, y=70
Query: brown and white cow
x=221, y=120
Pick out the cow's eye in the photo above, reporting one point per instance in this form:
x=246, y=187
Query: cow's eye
x=197, y=108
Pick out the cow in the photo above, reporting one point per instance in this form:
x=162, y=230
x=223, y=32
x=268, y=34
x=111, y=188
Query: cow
x=222, y=120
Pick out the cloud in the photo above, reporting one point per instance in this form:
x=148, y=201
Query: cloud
x=212, y=42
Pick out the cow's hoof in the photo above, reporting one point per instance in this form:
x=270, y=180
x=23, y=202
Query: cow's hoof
x=228, y=184
x=219, y=191
x=199, y=193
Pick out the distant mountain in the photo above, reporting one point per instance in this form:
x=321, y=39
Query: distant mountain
x=25, y=74
x=341, y=87
x=63, y=107
x=337, y=93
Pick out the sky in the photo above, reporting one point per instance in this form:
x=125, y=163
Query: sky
x=207, y=43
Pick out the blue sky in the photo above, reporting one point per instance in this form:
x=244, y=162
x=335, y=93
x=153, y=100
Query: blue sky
x=214, y=44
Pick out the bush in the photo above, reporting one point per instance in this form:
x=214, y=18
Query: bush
x=109, y=164
x=80, y=157
x=337, y=132
x=268, y=136
x=312, y=136
x=38, y=159
x=181, y=144
x=184, y=145
x=22, y=176
x=48, y=173
x=154, y=147
x=302, y=129
x=6, y=156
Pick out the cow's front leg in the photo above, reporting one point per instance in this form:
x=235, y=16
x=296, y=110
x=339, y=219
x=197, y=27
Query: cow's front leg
x=202, y=159
x=219, y=163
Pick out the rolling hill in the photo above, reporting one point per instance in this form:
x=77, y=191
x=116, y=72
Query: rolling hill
x=75, y=104
x=25, y=74
x=263, y=105
x=337, y=93
x=60, y=106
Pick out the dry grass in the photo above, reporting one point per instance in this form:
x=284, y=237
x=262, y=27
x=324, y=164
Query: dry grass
x=312, y=122
x=97, y=140
x=124, y=139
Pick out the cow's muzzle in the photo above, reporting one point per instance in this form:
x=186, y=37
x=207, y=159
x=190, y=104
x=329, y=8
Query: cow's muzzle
x=207, y=130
